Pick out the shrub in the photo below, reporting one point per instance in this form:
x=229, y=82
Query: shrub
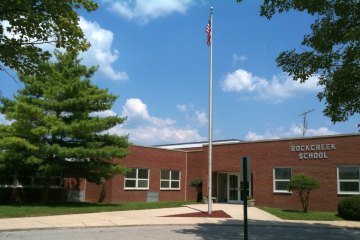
x=349, y=208
x=197, y=183
x=303, y=184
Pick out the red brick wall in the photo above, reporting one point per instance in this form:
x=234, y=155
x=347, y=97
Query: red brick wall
x=265, y=156
x=197, y=168
x=99, y=193
x=149, y=158
x=269, y=154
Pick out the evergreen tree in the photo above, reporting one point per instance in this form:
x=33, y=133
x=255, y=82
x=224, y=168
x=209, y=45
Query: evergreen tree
x=54, y=128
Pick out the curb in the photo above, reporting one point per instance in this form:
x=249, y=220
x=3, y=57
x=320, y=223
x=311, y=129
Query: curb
x=236, y=223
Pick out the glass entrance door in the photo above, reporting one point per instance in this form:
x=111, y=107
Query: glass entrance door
x=233, y=188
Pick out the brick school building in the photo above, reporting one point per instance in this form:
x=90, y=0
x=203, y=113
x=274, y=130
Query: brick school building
x=164, y=173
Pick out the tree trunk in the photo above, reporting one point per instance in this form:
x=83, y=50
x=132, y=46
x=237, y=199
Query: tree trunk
x=16, y=195
x=102, y=193
x=304, y=198
x=46, y=190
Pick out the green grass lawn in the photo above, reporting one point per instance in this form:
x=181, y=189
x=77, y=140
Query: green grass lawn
x=300, y=215
x=31, y=210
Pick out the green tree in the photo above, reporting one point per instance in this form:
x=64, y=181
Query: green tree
x=303, y=185
x=331, y=51
x=25, y=25
x=56, y=128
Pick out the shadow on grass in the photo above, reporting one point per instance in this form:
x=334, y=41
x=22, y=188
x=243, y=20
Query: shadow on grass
x=292, y=211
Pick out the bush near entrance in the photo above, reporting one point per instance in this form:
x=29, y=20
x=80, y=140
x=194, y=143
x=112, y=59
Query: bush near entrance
x=303, y=184
x=349, y=208
x=197, y=183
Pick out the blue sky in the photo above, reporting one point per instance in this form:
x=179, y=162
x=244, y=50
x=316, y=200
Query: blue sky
x=153, y=55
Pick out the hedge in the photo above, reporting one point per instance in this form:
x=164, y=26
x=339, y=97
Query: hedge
x=349, y=208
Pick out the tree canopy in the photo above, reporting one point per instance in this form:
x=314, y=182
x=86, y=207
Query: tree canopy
x=331, y=51
x=303, y=184
x=26, y=25
x=56, y=128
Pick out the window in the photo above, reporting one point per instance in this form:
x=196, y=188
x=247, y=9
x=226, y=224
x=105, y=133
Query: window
x=349, y=180
x=36, y=181
x=281, y=179
x=137, y=178
x=170, y=180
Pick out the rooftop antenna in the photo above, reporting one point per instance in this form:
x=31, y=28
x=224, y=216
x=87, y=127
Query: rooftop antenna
x=305, y=123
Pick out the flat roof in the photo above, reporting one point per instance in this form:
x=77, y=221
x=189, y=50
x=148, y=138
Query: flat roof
x=304, y=138
x=196, y=144
x=237, y=141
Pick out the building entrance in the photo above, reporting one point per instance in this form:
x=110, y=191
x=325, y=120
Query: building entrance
x=234, y=193
x=229, y=187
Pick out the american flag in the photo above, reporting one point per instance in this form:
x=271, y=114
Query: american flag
x=208, y=31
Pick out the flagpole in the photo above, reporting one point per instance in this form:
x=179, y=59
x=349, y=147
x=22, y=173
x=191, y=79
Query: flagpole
x=210, y=117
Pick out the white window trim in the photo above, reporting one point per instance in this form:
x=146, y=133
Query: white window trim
x=170, y=180
x=280, y=180
x=347, y=180
x=137, y=181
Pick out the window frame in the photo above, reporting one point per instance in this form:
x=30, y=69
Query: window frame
x=280, y=180
x=347, y=180
x=137, y=179
x=170, y=180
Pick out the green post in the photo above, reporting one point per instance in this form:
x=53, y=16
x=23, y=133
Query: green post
x=245, y=190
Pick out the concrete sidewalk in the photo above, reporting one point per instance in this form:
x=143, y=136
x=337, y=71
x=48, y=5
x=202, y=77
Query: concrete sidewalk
x=157, y=217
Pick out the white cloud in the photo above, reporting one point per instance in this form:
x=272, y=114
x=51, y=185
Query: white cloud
x=135, y=109
x=103, y=114
x=312, y=132
x=241, y=80
x=199, y=117
x=145, y=10
x=252, y=136
x=50, y=47
x=280, y=87
x=143, y=128
x=238, y=58
x=100, y=52
x=152, y=135
x=3, y=120
x=281, y=132
x=182, y=107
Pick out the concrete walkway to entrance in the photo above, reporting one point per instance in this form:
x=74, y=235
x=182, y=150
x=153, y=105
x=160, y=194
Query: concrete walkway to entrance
x=157, y=217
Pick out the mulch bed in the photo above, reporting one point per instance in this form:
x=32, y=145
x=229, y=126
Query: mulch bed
x=214, y=214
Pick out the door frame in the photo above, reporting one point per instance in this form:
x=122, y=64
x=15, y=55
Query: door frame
x=239, y=176
x=238, y=187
